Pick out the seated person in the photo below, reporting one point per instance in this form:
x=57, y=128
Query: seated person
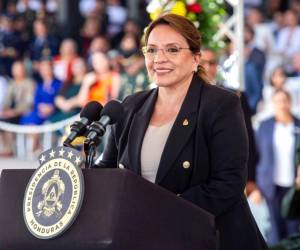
x=17, y=101
x=45, y=94
x=65, y=104
x=102, y=84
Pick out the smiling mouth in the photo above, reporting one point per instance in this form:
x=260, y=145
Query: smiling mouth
x=162, y=71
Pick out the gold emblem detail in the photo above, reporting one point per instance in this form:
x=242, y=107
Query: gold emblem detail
x=185, y=122
x=186, y=164
x=51, y=190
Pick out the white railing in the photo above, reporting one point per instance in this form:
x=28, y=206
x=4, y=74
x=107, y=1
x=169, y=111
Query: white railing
x=46, y=131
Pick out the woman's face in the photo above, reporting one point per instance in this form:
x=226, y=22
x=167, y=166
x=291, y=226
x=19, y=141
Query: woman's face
x=278, y=78
x=169, y=69
x=18, y=70
x=282, y=104
x=100, y=63
x=46, y=70
x=78, y=68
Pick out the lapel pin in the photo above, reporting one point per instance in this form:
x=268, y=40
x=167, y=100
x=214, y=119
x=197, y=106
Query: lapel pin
x=185, y=122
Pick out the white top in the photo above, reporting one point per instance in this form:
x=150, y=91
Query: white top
x=284, y=147
x=288, y=41
x=264, y=39
x=153, y=145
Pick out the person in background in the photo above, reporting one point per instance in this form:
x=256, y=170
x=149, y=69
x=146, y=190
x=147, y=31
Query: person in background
x=295, y=69
x=99, y=44
x=186, y=135
x=43, y=106
x=276, y=167
x=131, y=65
x=62, y=63
x=90, y=30
x=43, y=45
x=254, y=70
x=117, y=16
x=209, y=61
x=279, y=80
x=18, y=101
x=9, y=43
x=288, y=38
x=263, y=39
x=66, y=104
x=102, y=84
x=131, y=26
x=253, y=54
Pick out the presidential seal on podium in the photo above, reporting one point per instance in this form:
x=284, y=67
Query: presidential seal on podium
x=54, y=194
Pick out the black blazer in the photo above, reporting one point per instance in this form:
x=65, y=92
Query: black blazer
x=215, y=145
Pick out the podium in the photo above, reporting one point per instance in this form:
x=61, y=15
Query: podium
x=120, y=211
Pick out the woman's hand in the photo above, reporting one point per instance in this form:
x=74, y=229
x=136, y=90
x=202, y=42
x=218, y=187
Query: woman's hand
x=5, y=114
x=256, y=196
x=45, y=110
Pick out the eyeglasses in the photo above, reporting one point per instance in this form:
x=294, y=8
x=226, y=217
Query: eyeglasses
x=169, y=51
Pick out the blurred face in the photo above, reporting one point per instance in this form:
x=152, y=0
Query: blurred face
x=68, y=48
x=278, y=78
x=100, y=63
x=91, y=27
x=254, y=17
x=209, y=63
x=18, y=70
x=290, y=18
x=40, y=29
x=7, y=24
x=128, y=43
x=78, y=67
x=169, y=61
x=282, y=104
x=131, y=27
x=99, y=44
x=46, y=70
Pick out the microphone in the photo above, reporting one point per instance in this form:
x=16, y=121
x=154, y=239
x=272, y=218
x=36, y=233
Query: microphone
x=90, y=112
x=111, y=113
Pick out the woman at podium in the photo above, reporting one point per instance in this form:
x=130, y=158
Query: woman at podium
x=187, y=135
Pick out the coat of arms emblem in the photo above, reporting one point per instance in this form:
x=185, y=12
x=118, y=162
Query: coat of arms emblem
x=54, y=193
x=52, y=190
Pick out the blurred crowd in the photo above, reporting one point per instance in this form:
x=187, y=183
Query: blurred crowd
x=46, y=77
x=271, y=104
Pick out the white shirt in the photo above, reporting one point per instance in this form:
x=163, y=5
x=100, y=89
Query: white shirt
x=153, y=145
x=264, y=39
x=284, y=148
x=288, y=41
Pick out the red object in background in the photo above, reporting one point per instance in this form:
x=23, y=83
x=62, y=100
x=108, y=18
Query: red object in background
x=195, y=7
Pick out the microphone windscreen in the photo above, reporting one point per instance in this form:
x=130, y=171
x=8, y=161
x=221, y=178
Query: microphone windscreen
x=92, y=111
x=114, y=110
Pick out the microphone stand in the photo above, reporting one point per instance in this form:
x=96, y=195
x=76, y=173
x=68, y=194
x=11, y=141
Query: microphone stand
x=90, y=152
x=90, y=144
